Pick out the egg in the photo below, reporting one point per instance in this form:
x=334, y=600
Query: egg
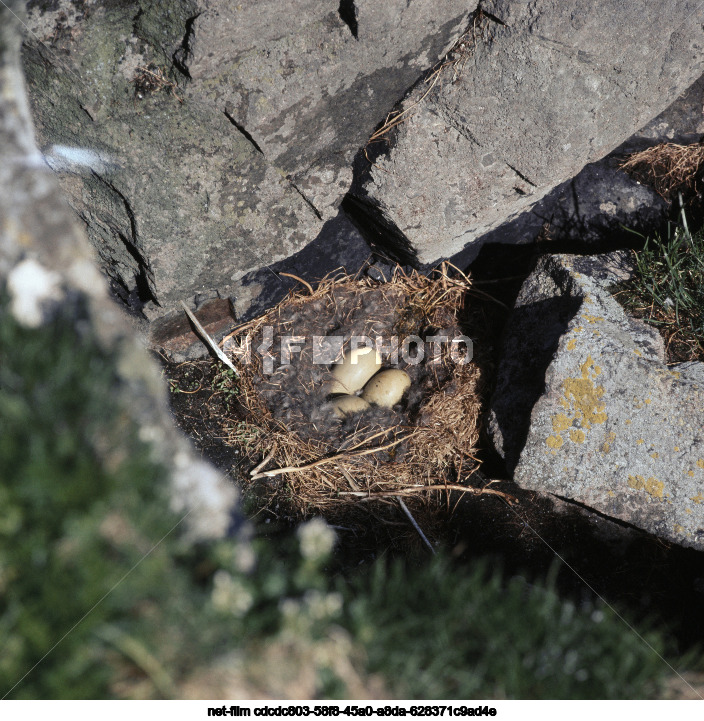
x=387, y=388
x=345, y=405
x=357, y=367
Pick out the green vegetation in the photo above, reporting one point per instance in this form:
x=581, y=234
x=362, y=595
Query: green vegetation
x=101, y=596
x=668, y=289
x=438, y=635
x=81, y=503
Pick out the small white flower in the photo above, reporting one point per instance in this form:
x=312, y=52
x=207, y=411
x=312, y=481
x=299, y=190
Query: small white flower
x=290, y=608
x=244, y=558
x=230, y=595
x=30, y=285
x=321, y=606
x=317, y=539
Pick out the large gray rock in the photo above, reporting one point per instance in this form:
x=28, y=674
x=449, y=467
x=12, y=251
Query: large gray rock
x=47, y=268
x=589, y=212
x=176, y=201
x=586, y=408
x=309, y=82
x=202, y=141
x=547, y=88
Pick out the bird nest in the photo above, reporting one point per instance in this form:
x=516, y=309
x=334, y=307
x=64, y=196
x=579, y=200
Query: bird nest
x=304, y=459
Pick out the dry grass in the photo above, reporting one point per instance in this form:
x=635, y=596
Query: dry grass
x=418, y=456
x=152, y=79
x=669, y=168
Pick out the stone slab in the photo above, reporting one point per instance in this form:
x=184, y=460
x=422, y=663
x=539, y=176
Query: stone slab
x=544, y=89
x=586, y=408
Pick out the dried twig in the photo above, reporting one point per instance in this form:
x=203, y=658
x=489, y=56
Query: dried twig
x=332, y=459
x=415, y=525
x=300, y=280
x=418, y=489
x=149, y=80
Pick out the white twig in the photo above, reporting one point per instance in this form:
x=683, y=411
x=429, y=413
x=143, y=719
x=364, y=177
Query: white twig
x=684, y=217
x=209, y=341
x=415, y=525
x=258, y=468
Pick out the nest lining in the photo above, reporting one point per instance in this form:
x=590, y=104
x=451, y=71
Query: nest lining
x=310, y=462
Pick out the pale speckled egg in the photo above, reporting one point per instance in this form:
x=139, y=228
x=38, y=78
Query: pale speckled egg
x=357, y=367
x=346, y=405
x=387, y=388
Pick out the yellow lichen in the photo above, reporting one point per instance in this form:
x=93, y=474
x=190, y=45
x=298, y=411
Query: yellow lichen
x=571, y=343
x=700, y=463
x=652, y=485
x=591, y=318
x=654, y=454
x=640, y=441
x=699, y=498
x=610, y=438
x=584, y=396
x=561, y=422
x=581, y=400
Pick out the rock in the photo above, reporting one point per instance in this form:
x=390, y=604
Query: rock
x=585, y=214
x=179, y=202
x=48, y=270
x=589, y=212
x=682, y=122
x=586, y=408
x=308, y=84
x=200, y=143
x=535, y=95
